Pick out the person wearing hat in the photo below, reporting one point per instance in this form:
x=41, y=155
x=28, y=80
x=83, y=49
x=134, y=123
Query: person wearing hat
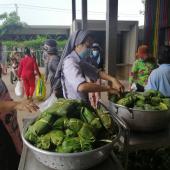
x=141, y=68
x=26, y=71
x=159, y=78
x=50, y=53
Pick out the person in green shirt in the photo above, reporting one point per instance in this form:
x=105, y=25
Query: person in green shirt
x=141, y=68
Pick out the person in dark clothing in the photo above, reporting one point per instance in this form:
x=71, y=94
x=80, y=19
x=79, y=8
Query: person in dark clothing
x=51, y=53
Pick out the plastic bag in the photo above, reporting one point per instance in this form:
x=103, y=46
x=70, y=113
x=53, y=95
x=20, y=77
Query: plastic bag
x=40, y=88
x=51, y=100
x=19, y=89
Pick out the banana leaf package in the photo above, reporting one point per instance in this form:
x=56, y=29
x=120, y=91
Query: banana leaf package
x=61, y=123
x=70, y=133
x=56, y=137
x=105, y=119
x=86, y=145
x=75, y=124
x=86, y=132
x=43, y=125
x=31, y=135
x=70, y=145
x=87, y=115
x=44, y=141
x=65, y=107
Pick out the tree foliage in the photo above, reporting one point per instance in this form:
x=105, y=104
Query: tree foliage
x=10, y=22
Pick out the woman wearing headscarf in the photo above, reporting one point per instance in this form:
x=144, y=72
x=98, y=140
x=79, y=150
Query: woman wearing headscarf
x=74, y=70
x=10, y=138
x=26, y=71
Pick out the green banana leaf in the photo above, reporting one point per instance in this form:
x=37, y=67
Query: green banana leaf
x=86, y=132
x=56, y=136
x=31, y=135
x=87, y=115
x=44, y=141
x=96, y=124
x=43, y=125
x=86, y=145
x=65, y=107
x=70, y=145
x=74, y=124
x=105, y=118
x=60, y=123
x=70, y=133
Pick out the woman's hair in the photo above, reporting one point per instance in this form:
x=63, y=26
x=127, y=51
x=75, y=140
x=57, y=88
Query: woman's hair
x=27, y=51
x=164, y=55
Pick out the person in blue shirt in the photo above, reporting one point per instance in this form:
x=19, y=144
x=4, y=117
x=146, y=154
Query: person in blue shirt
x=159, y=78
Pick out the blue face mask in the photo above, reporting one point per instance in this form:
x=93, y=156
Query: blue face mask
x=85, y=53
x=95, y=53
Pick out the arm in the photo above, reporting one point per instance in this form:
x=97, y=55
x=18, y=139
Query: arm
x=7, y=106
x=115, y=83
x=92, y=87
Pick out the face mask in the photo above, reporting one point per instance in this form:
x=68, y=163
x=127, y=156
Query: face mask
x=85, y=53
x=95, y=53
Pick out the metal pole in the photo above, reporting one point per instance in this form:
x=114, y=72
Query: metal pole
x=111, y=36
x=73, y=10
x=84, y=14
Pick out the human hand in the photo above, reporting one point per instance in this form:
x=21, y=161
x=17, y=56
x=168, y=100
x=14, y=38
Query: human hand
x=114, y=91
x=94, y=98
x=117, y=85
x=26, y=106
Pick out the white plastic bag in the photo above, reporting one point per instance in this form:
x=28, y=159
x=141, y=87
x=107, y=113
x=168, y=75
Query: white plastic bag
x=19, y=89
x=51, y=100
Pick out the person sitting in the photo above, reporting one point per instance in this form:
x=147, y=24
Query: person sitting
x=159, y=78
x=141, y=68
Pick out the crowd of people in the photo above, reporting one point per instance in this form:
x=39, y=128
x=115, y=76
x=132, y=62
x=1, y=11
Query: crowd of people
x=76, y=74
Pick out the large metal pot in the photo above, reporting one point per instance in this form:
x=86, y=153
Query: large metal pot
x=142, y=120
x=71, y=161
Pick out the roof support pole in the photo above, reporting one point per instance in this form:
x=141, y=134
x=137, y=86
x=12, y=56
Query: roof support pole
x=84, y=14
x=111, y=36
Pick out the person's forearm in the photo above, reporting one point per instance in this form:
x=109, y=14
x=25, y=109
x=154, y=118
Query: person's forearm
x=92, y=87
x=103, y=75
x=7, y=106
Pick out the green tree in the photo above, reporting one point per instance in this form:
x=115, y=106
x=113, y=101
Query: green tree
x=10, y=22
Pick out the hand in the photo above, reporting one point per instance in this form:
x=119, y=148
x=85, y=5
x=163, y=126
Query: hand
x=94, y=98
x=26, y=106
x=114, y=91
x=117, y=85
